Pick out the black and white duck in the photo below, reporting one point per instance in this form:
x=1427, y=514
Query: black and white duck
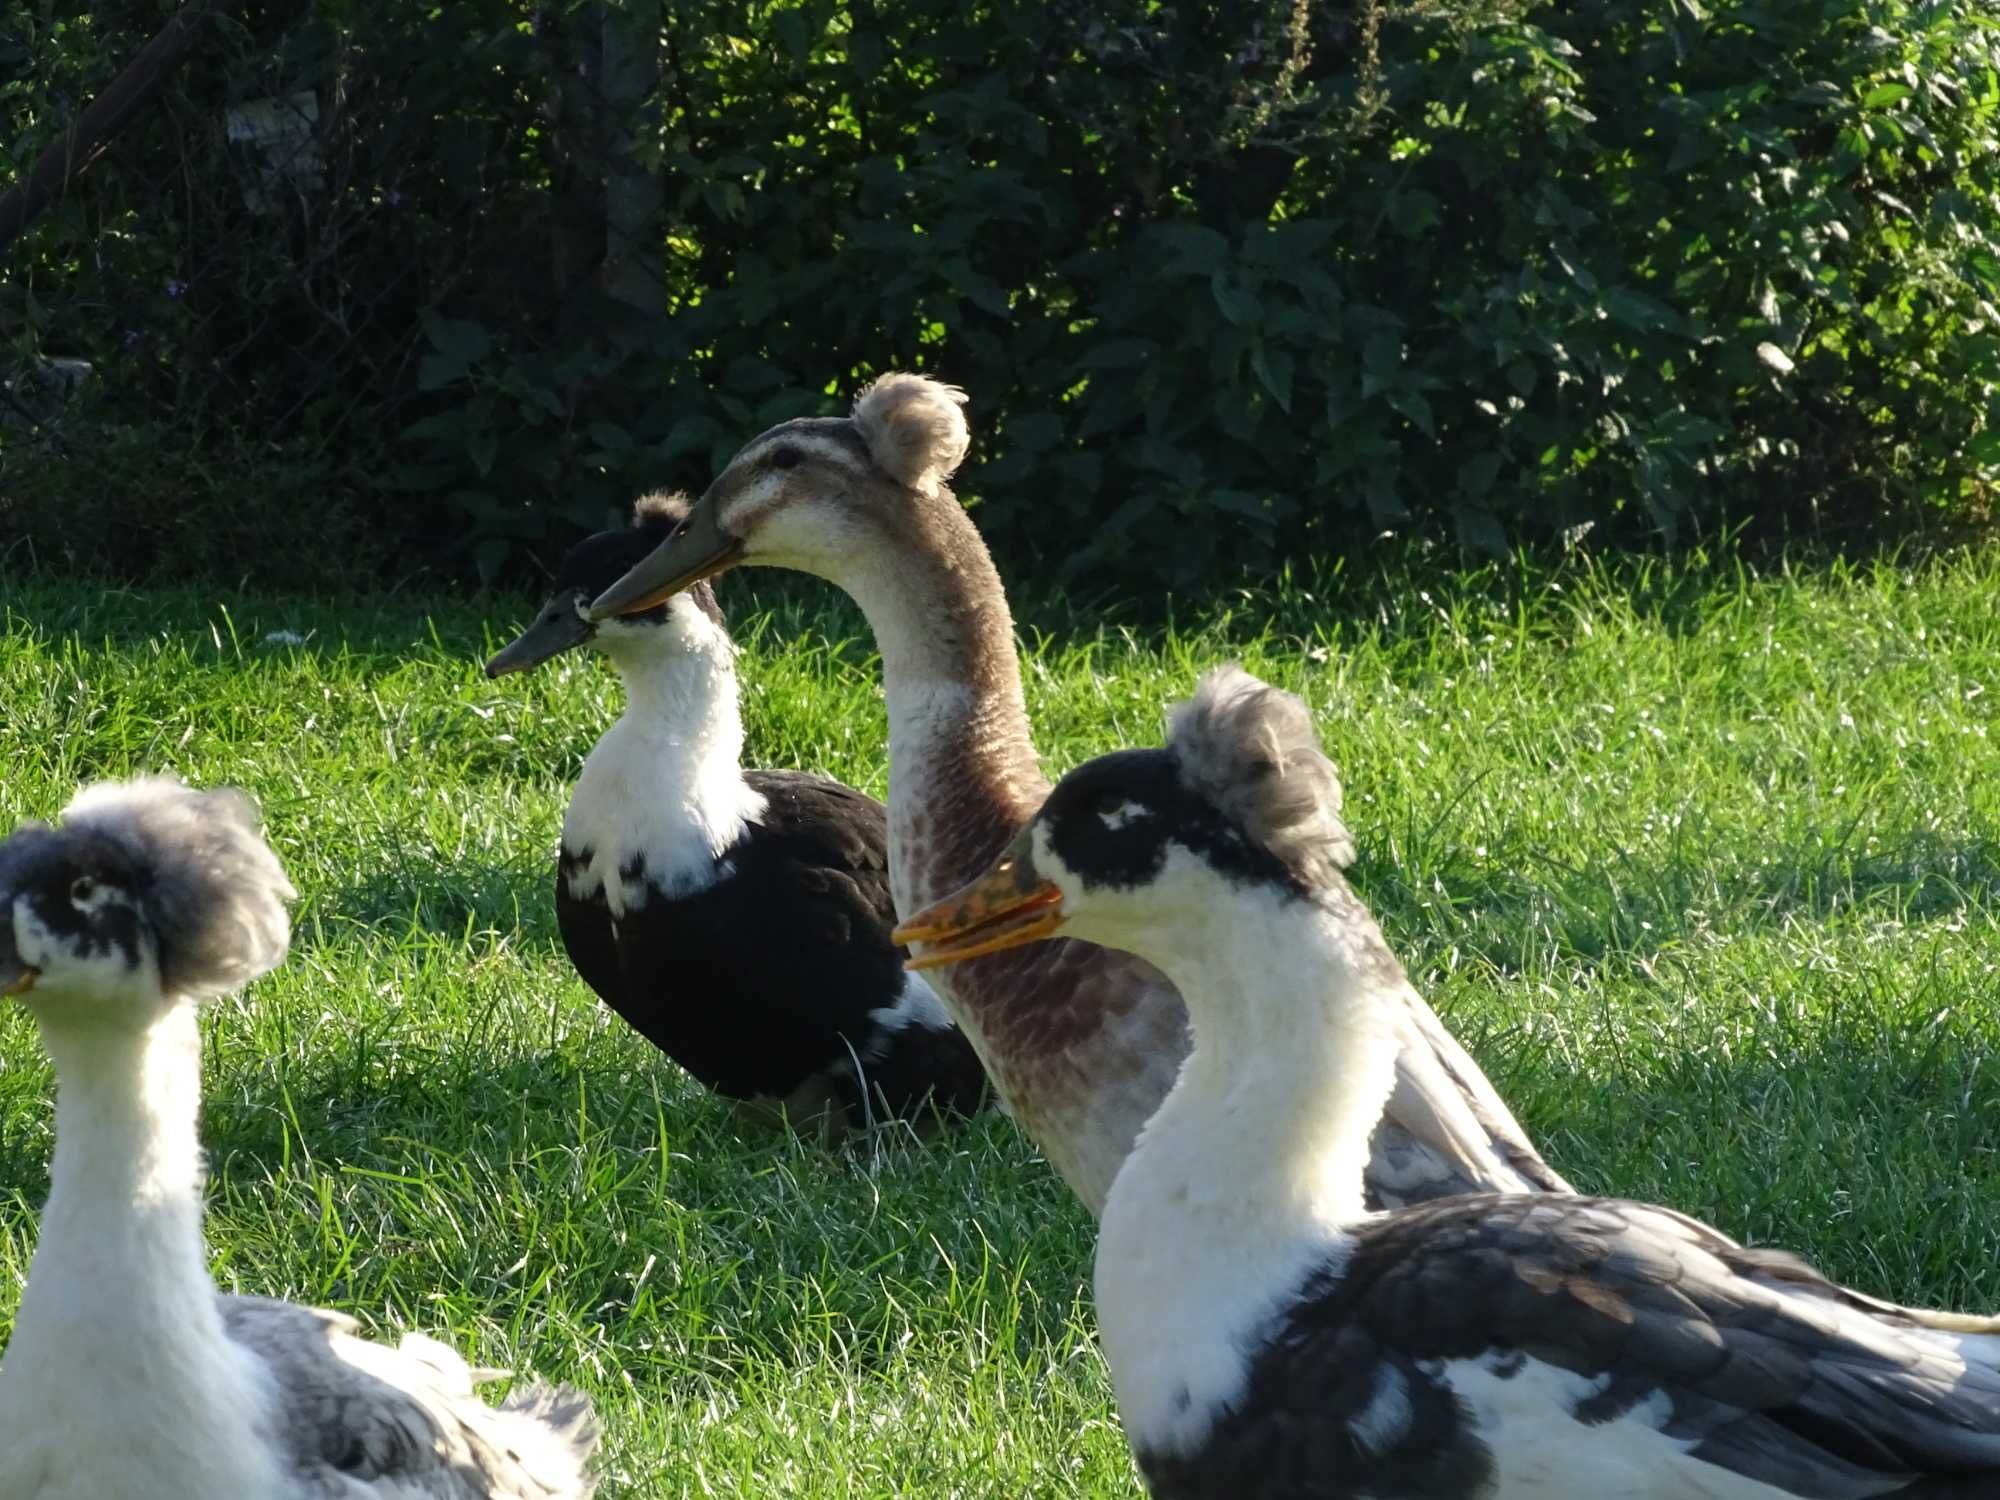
x=739, y=920
x=128, y=1376
x=1082, y=1042
x=1269, y=1338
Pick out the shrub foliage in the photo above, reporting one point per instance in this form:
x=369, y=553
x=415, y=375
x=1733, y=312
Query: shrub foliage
x=1228, y=280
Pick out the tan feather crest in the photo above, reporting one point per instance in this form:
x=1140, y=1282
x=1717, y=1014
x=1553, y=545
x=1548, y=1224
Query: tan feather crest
x=1250, y=749
x=915, y=429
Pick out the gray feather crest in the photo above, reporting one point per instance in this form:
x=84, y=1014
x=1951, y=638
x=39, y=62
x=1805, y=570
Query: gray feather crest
x=1251, y=751
x=915, y=429
x=216, y=893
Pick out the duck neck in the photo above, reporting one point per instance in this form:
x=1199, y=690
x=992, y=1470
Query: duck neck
x=964, y=776
x=1243, y=1183
x=662, y=797
x=1294, y=1057
x=681, y=699
x=120, y=1264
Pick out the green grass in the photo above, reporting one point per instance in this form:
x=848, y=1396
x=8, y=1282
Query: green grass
x=1704, y=866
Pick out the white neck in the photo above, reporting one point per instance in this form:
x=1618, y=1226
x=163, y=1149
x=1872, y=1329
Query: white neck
x=665, y=782
x=119, y=1319
x=681, y=693
x=1244, y=1179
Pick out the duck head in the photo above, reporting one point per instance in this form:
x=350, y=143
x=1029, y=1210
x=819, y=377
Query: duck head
x=1148, y=850
x=691, y=617
x=808, y=494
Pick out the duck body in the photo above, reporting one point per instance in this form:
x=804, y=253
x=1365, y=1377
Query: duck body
x=1562, y=1348
x=1272, y=1338
x=765, y=969
x=127, y=1376
x=739, y=920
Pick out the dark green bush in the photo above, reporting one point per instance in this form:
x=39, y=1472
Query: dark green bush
x=1228, y=281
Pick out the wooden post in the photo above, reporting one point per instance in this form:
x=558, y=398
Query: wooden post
x=106, y=115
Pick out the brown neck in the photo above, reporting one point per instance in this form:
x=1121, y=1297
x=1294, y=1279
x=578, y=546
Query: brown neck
x=964, y=778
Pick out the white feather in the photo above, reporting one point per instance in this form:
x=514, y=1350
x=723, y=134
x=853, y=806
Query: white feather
x=664, y=783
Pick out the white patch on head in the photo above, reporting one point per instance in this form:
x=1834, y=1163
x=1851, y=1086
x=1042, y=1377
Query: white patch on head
x=1120, y=816
x=916, y=1004
x=92, y=897
x=665, y=783
x=65, y=973
x=1173, y=919
x=796, y=517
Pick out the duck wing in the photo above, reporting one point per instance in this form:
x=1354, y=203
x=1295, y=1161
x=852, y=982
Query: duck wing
x=832, y=843
x=1519, y=1346
x=827, y=827
x=363, y=1419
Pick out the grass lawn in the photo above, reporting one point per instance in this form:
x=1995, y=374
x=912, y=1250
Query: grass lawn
x=1704, y=866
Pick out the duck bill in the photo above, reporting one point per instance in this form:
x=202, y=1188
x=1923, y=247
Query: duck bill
x=558, y=628
x=1007, y=906
x=698, y=549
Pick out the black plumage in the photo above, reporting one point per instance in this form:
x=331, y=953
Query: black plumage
x=738, y=920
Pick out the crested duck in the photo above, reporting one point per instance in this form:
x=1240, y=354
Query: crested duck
x=1081, y=1041
x=128, y=1376
x=738, y=920
x=1269, y=1336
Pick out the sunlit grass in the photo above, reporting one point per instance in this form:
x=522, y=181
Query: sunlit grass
x=1702, y=865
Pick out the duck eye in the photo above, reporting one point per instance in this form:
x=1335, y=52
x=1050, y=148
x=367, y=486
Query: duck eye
x=81, y=890
x=786, y=457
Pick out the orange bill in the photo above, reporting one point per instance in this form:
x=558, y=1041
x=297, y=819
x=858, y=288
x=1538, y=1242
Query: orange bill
x=1004, y=908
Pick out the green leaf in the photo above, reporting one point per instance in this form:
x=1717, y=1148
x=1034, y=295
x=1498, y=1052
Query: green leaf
x=1237, y=303
x=1115, y=354
x=1476, y=474
x=610, y=437
x=1479, y=530
x=1274, y=372
x=1413, y=211
x=795, y=32
x=1037, y=432
x=1186, y=249
x=1415, y=407
x=482, y=445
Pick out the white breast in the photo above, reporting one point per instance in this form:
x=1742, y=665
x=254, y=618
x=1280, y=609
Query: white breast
x=643, y=797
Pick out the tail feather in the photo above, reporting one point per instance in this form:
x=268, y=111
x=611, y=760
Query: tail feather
x=553, y=1431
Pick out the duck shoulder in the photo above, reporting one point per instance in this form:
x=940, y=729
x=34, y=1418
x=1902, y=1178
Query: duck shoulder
x=1518, y=1345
